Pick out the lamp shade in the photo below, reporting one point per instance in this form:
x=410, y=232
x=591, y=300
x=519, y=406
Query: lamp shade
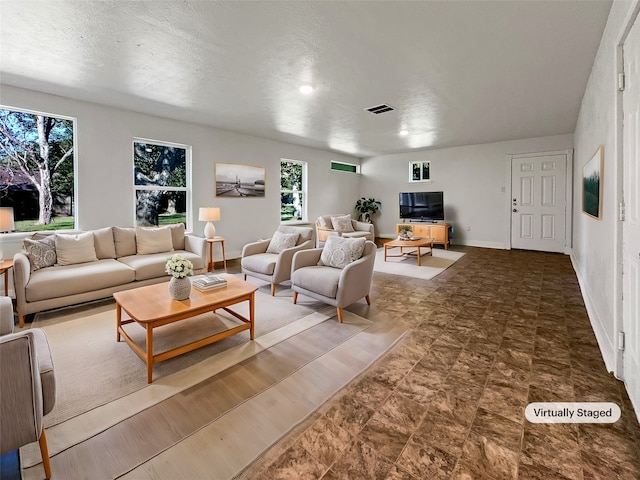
x=209, y=214
x=6, y=219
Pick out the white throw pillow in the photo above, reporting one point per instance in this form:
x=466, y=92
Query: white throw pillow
x=153, y=240
x=342, y=224
x=75, y=248
x=281, y=241
x=339, y=252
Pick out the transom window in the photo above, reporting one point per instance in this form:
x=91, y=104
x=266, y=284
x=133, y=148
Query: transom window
x=419, y=171
x=162, y=174
x=293, y=190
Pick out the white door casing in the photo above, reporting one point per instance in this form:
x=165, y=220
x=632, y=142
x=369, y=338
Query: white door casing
x=631, y=223
x=538, y=201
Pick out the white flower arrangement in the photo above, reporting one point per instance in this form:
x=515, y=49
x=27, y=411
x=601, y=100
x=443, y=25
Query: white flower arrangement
x=179, y=267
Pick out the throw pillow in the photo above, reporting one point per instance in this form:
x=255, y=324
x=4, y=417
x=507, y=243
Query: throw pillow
x=177, y=233
x=325, y=221
x=281, y=241
x=342, y=224
x=40, y=252
x=153, y=240
x=105, y=247
x=125, y=240
x=339, y=252
x=75, y=248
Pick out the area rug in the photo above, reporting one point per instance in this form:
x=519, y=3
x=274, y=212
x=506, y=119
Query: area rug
x=92, y=369
x=431, y=265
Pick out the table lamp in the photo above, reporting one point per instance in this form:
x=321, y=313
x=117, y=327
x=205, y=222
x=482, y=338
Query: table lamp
x=6, y=224
x=209, y=214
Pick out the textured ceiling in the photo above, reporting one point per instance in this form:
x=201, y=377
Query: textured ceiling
x=456, y=72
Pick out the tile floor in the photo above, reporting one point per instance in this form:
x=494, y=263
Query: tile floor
x=496, y=331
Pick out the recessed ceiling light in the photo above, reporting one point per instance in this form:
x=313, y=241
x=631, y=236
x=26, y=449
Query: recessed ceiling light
x=403, y=133
x=306, y=89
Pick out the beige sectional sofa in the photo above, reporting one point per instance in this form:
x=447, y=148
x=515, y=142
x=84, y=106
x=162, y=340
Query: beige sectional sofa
x=64, y=269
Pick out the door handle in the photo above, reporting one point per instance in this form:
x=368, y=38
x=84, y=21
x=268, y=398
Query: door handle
x=515, y=210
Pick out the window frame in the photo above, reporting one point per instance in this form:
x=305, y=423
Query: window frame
x=188, y=181
x=421, y=165
x=75, y=206
x=356, y=170
x=303, y=190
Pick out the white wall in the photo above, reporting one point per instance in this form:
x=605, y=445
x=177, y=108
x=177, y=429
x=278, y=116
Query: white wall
x=595, y=242
x=471, y=177
x=105, y=168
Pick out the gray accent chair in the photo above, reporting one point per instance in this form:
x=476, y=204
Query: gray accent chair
x=274, y=268
x=335, y=286
x=27, y=385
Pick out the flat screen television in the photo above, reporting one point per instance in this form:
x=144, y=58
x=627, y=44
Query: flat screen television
x=422, y=206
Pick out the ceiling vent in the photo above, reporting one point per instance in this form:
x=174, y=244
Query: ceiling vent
x=378, y=109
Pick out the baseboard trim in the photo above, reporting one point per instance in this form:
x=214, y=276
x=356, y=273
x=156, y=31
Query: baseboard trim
x=605, y=342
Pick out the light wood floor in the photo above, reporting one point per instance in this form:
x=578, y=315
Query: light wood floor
x=473, y=346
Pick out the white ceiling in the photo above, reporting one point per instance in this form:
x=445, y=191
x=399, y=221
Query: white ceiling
x=457, y=72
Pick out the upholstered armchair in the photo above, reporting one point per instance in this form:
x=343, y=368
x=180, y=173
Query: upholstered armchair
x=343, y=226
x=334, y=278
x=270, y=260
x=27, y=385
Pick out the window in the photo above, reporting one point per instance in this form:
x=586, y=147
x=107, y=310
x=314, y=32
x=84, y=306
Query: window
x=161, y=183
x=37, y=169
x=419, y=171
x=345, y=167
x=293, y=190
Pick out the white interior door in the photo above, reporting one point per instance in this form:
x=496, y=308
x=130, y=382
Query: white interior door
x=538, y=207
x=631, y=225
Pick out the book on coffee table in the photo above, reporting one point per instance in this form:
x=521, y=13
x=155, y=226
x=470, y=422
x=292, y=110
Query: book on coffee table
x=209, y=282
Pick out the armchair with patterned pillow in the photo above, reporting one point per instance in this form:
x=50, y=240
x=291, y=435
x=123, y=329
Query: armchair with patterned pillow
x=270, y=260
x=342, y=225
x=338, y=274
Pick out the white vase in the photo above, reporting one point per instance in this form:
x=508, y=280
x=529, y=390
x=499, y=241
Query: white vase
x=180, y=288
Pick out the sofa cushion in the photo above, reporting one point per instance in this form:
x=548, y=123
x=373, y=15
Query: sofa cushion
x=41, y=253
x=339, y=252
x=64, y=280
x=125, y=240
x=342, y=224
x=281, y=241
x=318, y=279
x=153, y=265
x=264, y=263
x=153, y=240
x=177, y=235
x=104, y=244
x=75, y=248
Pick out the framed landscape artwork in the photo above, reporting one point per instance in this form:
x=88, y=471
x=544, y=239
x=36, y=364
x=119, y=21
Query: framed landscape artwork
x=592, y=184
x=234, y=180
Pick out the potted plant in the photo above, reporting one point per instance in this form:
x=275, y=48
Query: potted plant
x=180, y=270
x=405, y=232
x=367, y=207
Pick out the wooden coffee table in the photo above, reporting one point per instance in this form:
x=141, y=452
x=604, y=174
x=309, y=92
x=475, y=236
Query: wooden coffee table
x=152, y=307
x=417, y=244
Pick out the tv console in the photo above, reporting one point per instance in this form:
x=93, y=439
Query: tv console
x=439, y=232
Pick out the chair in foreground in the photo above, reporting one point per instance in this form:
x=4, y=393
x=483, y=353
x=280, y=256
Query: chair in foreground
x=339, y=274
x=27, y=385
x=270, y=260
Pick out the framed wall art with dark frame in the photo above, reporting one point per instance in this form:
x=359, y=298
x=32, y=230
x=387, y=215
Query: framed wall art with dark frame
x=233, y=180
x=592, y=185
